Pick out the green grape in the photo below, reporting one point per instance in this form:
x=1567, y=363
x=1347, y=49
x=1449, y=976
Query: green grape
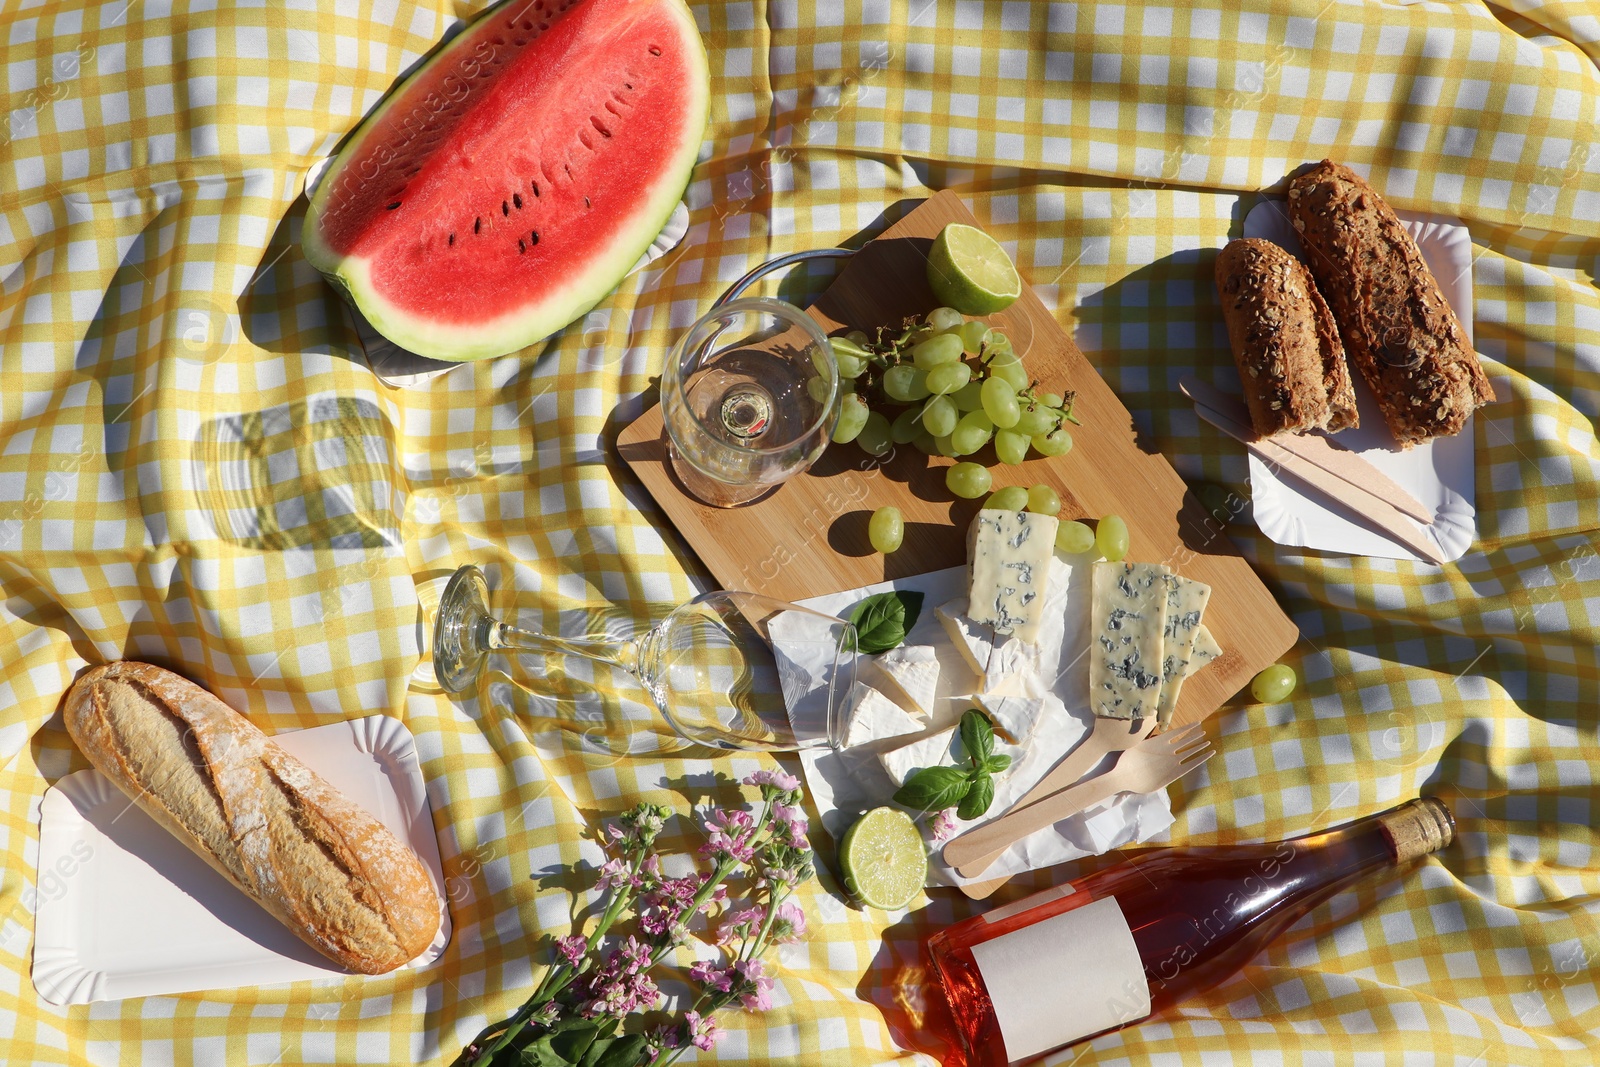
x=1111, y=537
x=1011, y=498
x=1051, y=400
x=968, y=480
x=943, y=348
x=948, y=378
x=857, y=337
x=817, y=389
x=905, y=383
x=1074, y=537
x=1008, y=368
x=1043, y=500
x=851, y=367
x=852, y=417
x=1036, y=419
x=886, y=529
x=943, y=318
x=1010, y=446
x=970, y=396
x=1273, y=684
x=940, y=416
x=973, y=335
x=905, y=426
x=874, y=436
x=998, y=339
x=925, y=444
x=1054, y=443
x=971, y=433
x=1000, y=403
x=945, y=447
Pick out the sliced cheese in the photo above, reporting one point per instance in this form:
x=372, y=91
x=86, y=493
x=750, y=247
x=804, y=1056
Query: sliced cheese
x=1206, y=649
x=1004, y=663
x=873, y=717
x=1008, y=566
x=935, y=750
x=1128, y=617
x=912, y=676
x=1186, y=602
x=1017, y=717
x=974, y=640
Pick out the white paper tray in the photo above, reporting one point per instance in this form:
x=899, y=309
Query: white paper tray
x=126, y=910
x=1440, y=473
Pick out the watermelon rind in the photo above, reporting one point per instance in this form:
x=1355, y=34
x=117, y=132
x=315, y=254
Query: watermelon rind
x=591, y=281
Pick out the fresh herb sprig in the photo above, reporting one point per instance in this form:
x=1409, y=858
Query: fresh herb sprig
x=882, y=621
x=968, y=788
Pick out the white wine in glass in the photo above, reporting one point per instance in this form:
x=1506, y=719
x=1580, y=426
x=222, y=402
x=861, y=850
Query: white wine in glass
x=708, y=667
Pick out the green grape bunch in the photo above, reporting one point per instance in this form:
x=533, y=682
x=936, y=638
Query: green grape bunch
x=946, y=385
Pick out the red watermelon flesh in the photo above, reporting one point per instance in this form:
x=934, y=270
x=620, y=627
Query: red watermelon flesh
x=507, y=186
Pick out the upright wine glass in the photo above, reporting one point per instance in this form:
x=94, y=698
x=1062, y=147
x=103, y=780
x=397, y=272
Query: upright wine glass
x=709, y=667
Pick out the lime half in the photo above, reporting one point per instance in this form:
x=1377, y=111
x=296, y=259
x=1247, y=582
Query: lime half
x=970, y=272
x=883, y=859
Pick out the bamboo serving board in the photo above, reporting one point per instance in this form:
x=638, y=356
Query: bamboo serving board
x=809, y=537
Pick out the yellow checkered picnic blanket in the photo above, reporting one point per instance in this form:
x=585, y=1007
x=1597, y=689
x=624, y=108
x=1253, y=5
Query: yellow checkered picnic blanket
x=198, y=468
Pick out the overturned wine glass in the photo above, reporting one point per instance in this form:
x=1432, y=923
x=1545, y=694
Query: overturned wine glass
x=723, y=669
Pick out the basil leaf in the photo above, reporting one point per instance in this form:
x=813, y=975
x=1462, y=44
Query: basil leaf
x=933, y=788
x=882, y=621
x=996, y=763
x=978, y=798
x=977, y=736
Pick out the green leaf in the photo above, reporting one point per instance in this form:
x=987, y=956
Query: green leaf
x=933, y=789
x=978, y=798
x=567, y=1042
x=977, y=736
x=997, y=763
x=882, y=621
x=622, y=1052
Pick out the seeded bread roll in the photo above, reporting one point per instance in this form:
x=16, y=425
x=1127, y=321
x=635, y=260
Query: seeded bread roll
x=322, y=866
x=1395, y=322
x=1284, y=341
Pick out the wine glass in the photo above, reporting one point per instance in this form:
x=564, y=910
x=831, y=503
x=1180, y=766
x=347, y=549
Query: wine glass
x=748, y=397
x=709, y=667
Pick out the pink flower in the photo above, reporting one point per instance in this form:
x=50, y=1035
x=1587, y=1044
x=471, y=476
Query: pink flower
x=756, y=994
x=789, y=925
x=778, y=780
x=572, y=949
x=703, y=1030
x=739, y=925
x=944, y=824
x=708, y=974
x=615, y=874
x=634, y=954
x=789, y=825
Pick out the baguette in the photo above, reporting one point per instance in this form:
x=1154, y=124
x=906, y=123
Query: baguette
x=1284, y=341
x=1396, y=324
x=324, y=867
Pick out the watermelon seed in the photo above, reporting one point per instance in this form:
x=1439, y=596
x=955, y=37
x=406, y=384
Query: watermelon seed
x=596, y=124
x=535, y=187
x=477, y=224
x=505, y=208
x=520, y=246
x=393, y=205
x=586, y=202
x=655, y=51
x=568, y=169
x=452, y=240
x=535, y=236
x=519, y=41
x=516, y=198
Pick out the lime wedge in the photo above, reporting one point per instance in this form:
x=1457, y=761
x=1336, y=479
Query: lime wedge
x=883, y=859
x=970, y=272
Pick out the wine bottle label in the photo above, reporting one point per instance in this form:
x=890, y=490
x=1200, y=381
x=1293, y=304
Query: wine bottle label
x=1064, y=978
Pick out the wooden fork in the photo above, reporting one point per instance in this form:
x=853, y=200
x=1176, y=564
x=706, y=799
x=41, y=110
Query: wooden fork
x=1152, y=764
x=1108, y=735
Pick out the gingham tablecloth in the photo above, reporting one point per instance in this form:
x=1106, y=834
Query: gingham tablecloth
x=198, y=468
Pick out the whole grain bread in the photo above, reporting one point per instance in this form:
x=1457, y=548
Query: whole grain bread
x=320, y=864
x=1284, y=341
x=1394, y=320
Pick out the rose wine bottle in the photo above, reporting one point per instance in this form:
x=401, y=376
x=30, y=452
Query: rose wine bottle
x=1134, y=939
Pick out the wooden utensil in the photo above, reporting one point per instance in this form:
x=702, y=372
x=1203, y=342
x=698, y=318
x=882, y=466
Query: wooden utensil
x=1108, y=735
x=1319, y=451
x=1152, y=764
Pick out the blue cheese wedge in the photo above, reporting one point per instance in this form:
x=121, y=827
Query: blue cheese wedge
x=1004, y=663
x=1008, y=566
x=873, y=717
x=1128, y=618
x=1017, y=717
x=911, y=676
x=1186, y=602
x=1206, y=649
x=935, y=750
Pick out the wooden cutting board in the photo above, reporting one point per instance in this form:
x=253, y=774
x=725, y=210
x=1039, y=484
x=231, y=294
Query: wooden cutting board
x=809, y=537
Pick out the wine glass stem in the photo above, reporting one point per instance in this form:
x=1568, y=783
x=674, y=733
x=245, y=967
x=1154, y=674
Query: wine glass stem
x=498, y=636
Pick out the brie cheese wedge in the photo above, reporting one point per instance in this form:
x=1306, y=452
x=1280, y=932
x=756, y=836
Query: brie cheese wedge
x=873, y=717
x=935, y=750
x=1017, y=717
x=912, y=674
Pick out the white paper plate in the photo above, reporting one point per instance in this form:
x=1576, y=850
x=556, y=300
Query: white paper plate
x=1439, y=473
x=126, y=910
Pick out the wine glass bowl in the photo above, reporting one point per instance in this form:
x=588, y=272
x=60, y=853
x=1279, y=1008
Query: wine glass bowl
x=748, y=398
x=708, y=667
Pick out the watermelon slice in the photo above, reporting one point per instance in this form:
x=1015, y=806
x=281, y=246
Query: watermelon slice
x=506, y=186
